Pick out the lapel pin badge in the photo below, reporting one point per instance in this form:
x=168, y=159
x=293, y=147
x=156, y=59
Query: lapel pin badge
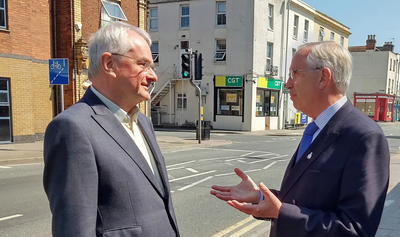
x=309, y=155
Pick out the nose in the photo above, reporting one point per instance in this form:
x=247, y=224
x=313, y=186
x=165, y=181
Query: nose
x=151, y=75
x=289, y=83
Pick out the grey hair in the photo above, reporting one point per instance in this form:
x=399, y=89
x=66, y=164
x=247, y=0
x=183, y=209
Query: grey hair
x=331, y=55
x=111, y=38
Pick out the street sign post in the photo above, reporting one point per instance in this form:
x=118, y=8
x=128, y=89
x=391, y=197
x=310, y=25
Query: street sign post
x=58, y=75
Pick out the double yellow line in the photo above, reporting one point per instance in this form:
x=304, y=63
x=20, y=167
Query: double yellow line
x=237, y=231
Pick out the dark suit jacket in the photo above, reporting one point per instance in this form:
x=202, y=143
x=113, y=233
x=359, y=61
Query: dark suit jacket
x=338, y=187
x=96, y=179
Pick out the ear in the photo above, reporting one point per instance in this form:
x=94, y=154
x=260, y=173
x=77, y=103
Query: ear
x=326, y=78
x=108, y=64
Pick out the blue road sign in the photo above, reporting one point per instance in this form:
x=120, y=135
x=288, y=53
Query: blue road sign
x=58, y=71
x=303, y=119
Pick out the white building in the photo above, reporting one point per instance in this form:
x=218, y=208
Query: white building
x=243, y=45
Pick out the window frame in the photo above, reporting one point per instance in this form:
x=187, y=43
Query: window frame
x=269, y=57
x=220, y=53
x=270, y=17
x=321, y=34
x=332, y=36
x=305, y=36
x=223, y=14
x=106, y=17
x=4, y=10
x=154, y=52
x=153, y=19
x=341, y=40
x=295, y=26
x=181, y=96
x=182, y=16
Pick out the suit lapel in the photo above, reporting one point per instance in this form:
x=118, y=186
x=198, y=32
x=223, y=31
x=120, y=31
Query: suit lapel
x=324, y=139
x=110, y=124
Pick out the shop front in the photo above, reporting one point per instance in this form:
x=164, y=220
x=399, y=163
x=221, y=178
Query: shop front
x=267, y=101
x=378, y=107
x=228, y=102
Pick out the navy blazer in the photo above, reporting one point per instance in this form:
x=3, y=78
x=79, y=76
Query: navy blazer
x=97, y=180
x=339, y=185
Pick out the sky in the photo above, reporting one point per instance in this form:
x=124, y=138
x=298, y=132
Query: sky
x=365, y=17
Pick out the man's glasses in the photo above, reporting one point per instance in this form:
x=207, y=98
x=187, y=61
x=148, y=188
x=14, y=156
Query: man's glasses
x=292, y=72
x=146, y=65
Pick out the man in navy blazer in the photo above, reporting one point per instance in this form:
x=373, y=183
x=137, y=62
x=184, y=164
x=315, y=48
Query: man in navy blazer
x=104, y=172
x=338, y=185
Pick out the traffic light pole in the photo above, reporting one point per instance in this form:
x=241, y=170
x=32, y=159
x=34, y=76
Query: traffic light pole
x=192, y=55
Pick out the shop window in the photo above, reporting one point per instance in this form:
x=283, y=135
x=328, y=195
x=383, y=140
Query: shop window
x=230, y=102
x=266, y=103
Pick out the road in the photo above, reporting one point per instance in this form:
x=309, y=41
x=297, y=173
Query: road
x=25, y=212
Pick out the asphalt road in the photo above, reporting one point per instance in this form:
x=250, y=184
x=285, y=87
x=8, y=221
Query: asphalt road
x=25, y=212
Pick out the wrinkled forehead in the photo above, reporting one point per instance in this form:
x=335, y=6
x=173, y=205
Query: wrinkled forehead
x=299, y=61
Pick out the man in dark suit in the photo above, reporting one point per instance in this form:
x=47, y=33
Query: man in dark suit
x=104, y=173
x=337, y=187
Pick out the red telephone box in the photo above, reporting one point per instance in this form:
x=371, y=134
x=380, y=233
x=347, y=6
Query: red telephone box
x=378, y=107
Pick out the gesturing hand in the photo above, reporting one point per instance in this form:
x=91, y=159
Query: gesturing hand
x=268, y=208
x=245, y=191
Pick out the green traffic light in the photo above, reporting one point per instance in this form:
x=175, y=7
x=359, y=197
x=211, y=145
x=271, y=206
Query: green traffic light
x=185, y=74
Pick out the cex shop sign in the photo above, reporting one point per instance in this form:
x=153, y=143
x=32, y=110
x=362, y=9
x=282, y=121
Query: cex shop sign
x=229, y=81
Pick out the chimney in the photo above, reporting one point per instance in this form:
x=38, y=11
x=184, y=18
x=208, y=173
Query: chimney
x=371, y=42
x=388, y=46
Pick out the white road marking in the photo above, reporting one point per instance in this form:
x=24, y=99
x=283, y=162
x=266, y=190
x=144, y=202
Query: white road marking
x=192, y=170
x=184, y=163
x=5, y=167
x=195, y=183
x=273, y=163
x=258, y=161
x=176, y=168
x=40, y=163
x=10, y=217
x=190, y=176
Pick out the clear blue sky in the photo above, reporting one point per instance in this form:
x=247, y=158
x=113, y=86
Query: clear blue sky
x=365, y=17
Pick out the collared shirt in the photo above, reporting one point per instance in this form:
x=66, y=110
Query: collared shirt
x=130, y=124
x=327, y=114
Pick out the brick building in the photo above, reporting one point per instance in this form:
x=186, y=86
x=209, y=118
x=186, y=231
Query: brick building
x=31, y=33
x=26, y=99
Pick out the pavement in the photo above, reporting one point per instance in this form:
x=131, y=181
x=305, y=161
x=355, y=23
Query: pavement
x=22, y=153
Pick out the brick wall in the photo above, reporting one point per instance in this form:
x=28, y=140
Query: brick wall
x=25, y=48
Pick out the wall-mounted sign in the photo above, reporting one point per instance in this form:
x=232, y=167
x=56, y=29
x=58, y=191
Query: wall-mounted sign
x=269, y=83
x=231, y=97
x=229, y=81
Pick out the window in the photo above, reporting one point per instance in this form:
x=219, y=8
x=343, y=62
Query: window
x=390, y=68
x=270, y=16
x=332, y=36
x=154, y=51
x=181, y=101
x=266, y=103
x=110, y=12
x=270, y=53
x=221, y=13
x=305, y=36
x=185, y=16
x=5, y=115
x=153, y=18
x=3, y=14
x=230, y=102
x=321, y=34
x=341, y=40
x=295, y=26
x=294, y=50
x=220, y=50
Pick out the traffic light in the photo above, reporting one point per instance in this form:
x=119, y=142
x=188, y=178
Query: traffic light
x=185, y=65
x=198, y=65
